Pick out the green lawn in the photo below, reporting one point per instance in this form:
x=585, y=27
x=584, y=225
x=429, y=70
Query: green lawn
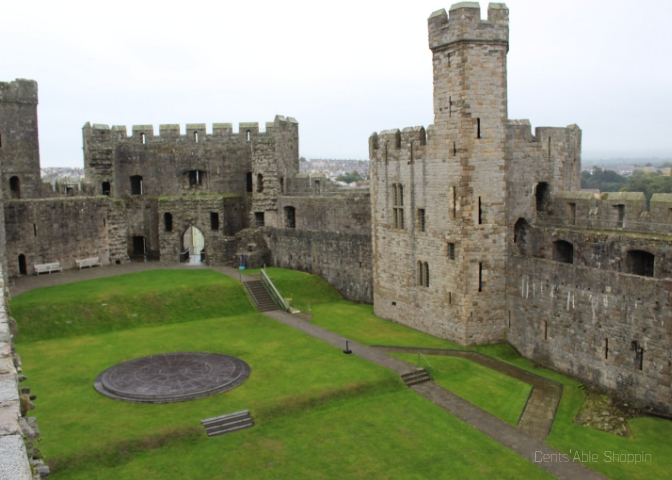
x=496, y=393
x=319, y=413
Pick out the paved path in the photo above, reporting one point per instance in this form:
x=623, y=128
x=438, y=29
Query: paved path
x=500, y=431
x=539, y=412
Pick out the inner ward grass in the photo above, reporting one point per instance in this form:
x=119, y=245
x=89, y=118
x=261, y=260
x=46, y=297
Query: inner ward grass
x=494, y=392
x=127, y=301
x=318, y=412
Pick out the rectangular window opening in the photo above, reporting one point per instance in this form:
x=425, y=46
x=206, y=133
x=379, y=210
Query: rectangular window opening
x=421, y=219
x=478, y=128
x=545, y=330
x=454, y=149
x=606, y=348
x=620, y=215
x=259, y=219
x=571, y=213
x=214, y=221
x=454, y=200
x=509, y=318
x=451, y=251
x=450, y=298
x=34, y=229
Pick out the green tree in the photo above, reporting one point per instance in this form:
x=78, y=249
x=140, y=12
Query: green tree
x=350, y=177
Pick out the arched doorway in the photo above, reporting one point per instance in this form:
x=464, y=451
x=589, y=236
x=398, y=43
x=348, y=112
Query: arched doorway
x=193, y=245
x=23, y=270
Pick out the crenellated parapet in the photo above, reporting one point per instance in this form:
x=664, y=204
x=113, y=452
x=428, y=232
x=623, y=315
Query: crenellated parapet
x=463, y=24
x=194, y=132
x=19, y=91
x=398, y=145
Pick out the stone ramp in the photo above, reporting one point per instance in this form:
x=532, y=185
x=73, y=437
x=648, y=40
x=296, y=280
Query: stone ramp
x=537, y=417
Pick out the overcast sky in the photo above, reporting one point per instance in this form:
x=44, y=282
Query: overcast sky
x=343, y=69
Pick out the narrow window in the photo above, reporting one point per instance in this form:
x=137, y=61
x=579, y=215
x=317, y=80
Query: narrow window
x=214, y=221
x=401, y=218
x=248, y=135
x=168, y=221
x=104, y=222
x=549, y=146
x=0, y=140
x=143, y=138
x=509, y=318
x=620, y=215
x=478, y=128
x=260, y=183
x=136, y=185
x=317, y=186
x=22, y=265
x=450, y=106
x=196, y=137
x=106, y=188
x=451, y=251
x=571, y=213
x=541, y=193
x=449, y=60
x=397, y=206
x=259, y=219
x=480, y=212
x=397, y=140
x=480, y=277
x=34, y=230
x=426, y=275
x=606, y=348
x=421, y=276
x=282, y=184
x=15, y=187
x=290, y=217
x=454, y=200
x=450, y=298
x=248, y=178
x=454, y=149
x=421, y=219
x=669, y=215
x=545, y=330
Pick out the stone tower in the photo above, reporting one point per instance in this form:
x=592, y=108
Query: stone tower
x=19, y=145
x=439, y=201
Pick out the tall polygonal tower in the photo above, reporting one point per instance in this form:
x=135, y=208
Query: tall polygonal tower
x=439, y=200
x=19, y=145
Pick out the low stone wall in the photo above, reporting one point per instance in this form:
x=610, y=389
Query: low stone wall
x=14, y=428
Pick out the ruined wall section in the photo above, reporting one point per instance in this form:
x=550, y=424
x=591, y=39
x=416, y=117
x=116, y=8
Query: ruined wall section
x=185, y=212
x=551, y=157
x=142, y=220
x=610, y=330
x=19, y=142
x=57, y=230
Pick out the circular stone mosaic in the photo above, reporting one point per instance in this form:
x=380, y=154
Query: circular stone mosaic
x=172, y=377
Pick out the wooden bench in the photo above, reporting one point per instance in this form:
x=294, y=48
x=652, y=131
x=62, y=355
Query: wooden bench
x=88, y=262
x=48, y=268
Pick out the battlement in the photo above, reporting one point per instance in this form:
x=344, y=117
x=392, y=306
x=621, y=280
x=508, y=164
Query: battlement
x=407, y=144
x=19, y=91
x=463, y=24
x=522, y=130
x=195, y=132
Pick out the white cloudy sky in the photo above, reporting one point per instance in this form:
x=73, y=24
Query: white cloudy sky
x=343, y=69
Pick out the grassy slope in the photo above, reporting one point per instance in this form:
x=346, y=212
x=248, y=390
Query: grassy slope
x=127, y=301
x=310, y=401
x=494, y=392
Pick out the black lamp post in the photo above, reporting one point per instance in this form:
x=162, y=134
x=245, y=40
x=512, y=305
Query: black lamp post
x=347, y=350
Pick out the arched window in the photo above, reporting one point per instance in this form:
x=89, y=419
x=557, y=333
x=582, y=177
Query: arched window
x=260, y=183
x=196, y=137
x=421, y=277
x=248, y=136
x=136, y=185
x=640, y=262
x=196, y=177
x=106, y=188
x=143, y=138
x=563, y=251
x=168, y=221
x=15, y=187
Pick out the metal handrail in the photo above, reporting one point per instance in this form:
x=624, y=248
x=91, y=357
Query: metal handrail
x=431, y=368
x=275, y=295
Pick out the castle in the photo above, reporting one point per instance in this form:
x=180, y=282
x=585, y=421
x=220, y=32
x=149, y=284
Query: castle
x=474, y=228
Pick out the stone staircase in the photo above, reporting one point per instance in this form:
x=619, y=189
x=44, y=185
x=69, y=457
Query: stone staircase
x=262, y=300
x=415, y=377
x=231, y=422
